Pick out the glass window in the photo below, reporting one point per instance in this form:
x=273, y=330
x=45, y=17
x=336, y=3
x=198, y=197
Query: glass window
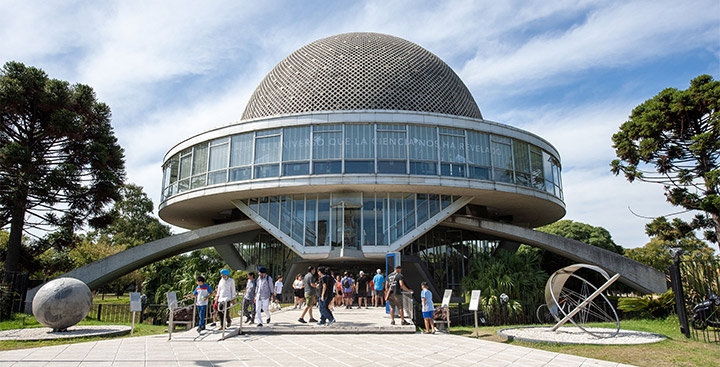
x=239, y=174
x=274, y=216
x=434, y=204
x=241, y=150
x=548, y=171
x=423, y=168
x=358, y=141
x=185, y=163
x=267, y=149
x=359, y=166
x=219, y=157
x=395, y=215
x=310, y=221
x=217, y=177
x=452, y=169
x=503, y=175
x=296, y=143
x=328, y=167
x=296, y=169
x=200, y=158
x=298, y=227
x=422, y=208
x=327, y=142
x=452, y=148
x=324, y=229
x=198, y=181
x=381, y=222
x=267, y=170
x=264, y=207
x=502, y=155
x=479, y=173
x=536, y=167
x=286, y=215
x=478, y=148
x=369, y=222
x=391, y=141
x=521, y=153
x=268, y=132
x=392, y=167
x=422, y=141
x=173, y=166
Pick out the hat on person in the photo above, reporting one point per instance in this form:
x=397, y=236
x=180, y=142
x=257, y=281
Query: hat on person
x=225, y=272
x=262, y=270
x=362, y=272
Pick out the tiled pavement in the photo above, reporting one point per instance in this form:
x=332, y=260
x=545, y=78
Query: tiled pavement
x=296, y=350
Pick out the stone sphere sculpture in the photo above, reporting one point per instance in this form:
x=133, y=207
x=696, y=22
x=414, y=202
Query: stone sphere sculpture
x=62, y=303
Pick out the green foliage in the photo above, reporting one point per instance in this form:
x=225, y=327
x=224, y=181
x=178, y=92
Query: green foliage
x=699, y=277
x=178, y=274
x=656, y=253
x=518, y=275
x=583, y=232
x=649, y=306
x=677, y=134
x=60, y=161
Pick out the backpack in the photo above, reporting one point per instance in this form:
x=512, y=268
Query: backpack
x=346, y=283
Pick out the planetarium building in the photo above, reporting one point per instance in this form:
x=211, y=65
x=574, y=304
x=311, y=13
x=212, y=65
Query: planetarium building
x=359, y=145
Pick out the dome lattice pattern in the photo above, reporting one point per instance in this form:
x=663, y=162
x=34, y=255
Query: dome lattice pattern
x=361, y=71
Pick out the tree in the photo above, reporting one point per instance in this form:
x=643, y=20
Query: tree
x=60, y=164
x=583, y=232
x=677, y=135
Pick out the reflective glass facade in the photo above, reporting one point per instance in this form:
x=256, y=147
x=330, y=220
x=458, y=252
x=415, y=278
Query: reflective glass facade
x=397, y=149
x=350, y=220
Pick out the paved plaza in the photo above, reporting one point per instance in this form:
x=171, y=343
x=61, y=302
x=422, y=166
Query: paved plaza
x=294, y=350
x=360, y=338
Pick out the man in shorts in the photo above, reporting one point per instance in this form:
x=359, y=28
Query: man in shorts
x=347, y=288
x=363, y=287
x=310, y=293
x=393, y=294
x=378, y=286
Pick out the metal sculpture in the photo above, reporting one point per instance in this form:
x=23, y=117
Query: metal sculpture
x=570, y=297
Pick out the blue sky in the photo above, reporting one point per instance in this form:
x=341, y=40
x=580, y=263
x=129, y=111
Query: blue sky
x=569, y=71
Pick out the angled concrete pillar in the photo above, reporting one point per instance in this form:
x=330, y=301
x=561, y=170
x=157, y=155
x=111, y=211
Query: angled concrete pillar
x=231, y=256
x=634, y=274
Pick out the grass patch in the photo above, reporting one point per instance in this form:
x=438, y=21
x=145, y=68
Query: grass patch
x=111, y=299
x=676, y=350
x=17, y=323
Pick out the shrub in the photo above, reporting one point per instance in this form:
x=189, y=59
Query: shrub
x=651, y=306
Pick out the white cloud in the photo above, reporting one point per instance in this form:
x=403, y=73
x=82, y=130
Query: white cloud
x=620, y=34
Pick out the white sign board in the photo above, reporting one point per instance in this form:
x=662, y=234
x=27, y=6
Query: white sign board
x=172, y=299
x=446, y=298
x=474, y=300
x=135, y=303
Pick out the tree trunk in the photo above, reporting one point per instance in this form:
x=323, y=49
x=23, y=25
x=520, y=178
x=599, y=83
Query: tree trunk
x=14, y=245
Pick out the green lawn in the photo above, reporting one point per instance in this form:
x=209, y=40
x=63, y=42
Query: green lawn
x=111, y=298
x=17, y=323
x=675, y=351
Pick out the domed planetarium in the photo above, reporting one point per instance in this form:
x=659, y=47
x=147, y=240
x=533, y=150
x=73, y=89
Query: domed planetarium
x=356, y=146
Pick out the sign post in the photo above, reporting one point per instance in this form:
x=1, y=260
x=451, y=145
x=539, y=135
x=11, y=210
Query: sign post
x=135, y=306
x=474, y=303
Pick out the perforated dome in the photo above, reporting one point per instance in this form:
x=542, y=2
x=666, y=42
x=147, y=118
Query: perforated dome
x=361, y=71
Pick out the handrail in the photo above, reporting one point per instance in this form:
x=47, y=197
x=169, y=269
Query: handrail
x=174, y=306
x=233, y=303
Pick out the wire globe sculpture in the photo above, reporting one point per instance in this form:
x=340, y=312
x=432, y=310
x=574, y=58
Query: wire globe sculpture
x=574, y=298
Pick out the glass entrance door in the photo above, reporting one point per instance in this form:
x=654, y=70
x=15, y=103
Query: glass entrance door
x=346, y=213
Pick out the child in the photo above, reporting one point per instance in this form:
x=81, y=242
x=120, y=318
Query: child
x=427, y=308
x=202, y=293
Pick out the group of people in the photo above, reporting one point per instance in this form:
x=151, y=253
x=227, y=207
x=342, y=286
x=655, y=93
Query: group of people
x=346, y=290
x=319, y=285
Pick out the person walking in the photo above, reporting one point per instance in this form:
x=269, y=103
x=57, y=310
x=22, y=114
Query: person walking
x=347, y=288
x=326, y=295
x=427, y=308
x=393, y=294
x=225, y=296
x=309, y=286
x=278, y=289
x=338, y=300
x=363, y=289
x=379, y=283
x=202, y=293
x=263, y=295
x=298, y=290
x=249, y=298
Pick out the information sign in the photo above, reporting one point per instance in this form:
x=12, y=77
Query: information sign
x=446, y=298
x=172, y=299
x=474, y=300
x=135, y=303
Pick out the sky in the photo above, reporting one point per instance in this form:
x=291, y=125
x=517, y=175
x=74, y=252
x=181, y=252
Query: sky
x=569, y=71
